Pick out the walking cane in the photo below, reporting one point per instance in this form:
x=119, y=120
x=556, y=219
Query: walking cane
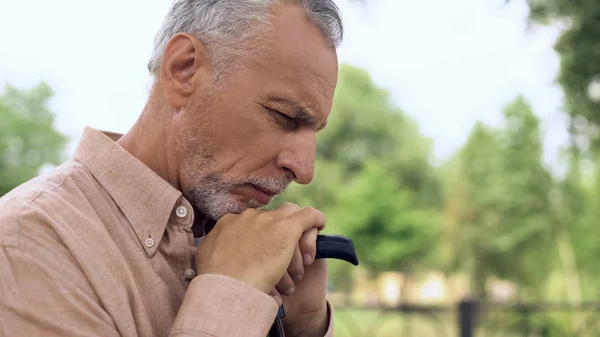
x=328, y=247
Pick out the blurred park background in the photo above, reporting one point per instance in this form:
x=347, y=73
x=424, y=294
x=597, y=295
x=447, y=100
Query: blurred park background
x=461, y=154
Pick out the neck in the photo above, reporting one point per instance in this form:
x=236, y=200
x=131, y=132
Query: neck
x=148, y=141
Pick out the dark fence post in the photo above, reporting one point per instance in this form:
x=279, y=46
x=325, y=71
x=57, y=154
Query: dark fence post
x=467, y=314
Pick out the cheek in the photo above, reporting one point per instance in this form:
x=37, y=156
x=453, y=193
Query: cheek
x=243, y=130
x=243, y=139
x=195, y=160
x=250, y=153
x=250, y=156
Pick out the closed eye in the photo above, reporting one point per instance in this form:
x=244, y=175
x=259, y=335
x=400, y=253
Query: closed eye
x=281, y=114
x=288, y=122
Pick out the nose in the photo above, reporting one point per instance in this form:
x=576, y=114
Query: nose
x=298, y=158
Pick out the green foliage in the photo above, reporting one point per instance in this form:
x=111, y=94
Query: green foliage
x=577, y=206
x=389, y=228
x=366, y=125
x=497, y=206
x=28, y=139
x=579, y=50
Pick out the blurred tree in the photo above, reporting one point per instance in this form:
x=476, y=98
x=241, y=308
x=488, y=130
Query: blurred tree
x=526, y=208
x=390, y=229
x=471, y=212
x=581, y=214
x=575, y=214
x=28, y=138
x=497, y=203
x=579, y=50
x=578, y=195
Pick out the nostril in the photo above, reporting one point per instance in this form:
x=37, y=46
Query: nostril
x=290, y=174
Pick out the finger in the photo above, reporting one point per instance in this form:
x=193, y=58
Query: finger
x=276, y=296
x=285, y=210
x=305, y=219
x=308, y=246
x=286, y=285
x=296, y=268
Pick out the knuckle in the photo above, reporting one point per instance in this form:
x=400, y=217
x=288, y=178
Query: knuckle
x=321, y=216
x=319, y=213
x=313, y=211
x=267, y=215
x=308, y=249
x=284, y=285
x=296, y=270
x=307, y=242
x=249, y=212
x=291, y=205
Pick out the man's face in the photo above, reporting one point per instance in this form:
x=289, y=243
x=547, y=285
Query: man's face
x=243, y=143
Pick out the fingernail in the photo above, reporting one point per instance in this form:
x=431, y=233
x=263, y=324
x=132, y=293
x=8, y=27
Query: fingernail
x=307, y=259
x=297, y=277
x=289, y=291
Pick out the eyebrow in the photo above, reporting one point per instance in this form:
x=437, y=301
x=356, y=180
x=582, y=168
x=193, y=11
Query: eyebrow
x=300, y=111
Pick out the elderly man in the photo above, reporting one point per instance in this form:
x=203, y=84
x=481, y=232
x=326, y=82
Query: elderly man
x=106, y=244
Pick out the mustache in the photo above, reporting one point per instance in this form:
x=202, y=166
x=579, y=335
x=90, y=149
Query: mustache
x=272, y=185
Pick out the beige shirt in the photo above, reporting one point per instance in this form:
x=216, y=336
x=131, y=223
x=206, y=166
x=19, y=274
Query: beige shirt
x=104, y=247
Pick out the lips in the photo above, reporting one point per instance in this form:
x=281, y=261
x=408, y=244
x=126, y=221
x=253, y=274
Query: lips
x=262, y=195
x=268, y=192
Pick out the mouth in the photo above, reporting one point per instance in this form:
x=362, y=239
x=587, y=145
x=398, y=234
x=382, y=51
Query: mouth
x=262, y=195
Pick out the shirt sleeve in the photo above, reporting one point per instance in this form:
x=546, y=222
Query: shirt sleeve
x=41, y=295
x=217, y=305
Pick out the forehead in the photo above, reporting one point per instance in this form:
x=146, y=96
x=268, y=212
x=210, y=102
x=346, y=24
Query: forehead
x=300, y=60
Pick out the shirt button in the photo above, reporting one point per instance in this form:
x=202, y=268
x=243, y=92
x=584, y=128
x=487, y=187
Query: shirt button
x=181, y=211
x=189, y=273
x=149, y=242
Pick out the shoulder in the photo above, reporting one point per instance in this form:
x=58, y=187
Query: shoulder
x=34, y=206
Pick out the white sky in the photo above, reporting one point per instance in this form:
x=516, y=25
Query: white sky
x=446, y=63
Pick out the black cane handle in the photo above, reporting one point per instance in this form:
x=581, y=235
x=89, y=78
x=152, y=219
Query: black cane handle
x=336, y=247
x=329, y=246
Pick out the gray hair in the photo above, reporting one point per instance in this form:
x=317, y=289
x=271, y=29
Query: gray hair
x=228, y=28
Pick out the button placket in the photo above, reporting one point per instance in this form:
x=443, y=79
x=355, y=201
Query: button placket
x=183, y=217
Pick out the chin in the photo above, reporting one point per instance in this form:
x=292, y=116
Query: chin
x=217, y=208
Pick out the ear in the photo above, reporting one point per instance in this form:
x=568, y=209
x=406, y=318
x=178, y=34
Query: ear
x=180, y=72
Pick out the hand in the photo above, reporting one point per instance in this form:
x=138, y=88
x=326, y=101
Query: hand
x=304, y=255
x=257, y=246
x=306, y=309
x=304, y=289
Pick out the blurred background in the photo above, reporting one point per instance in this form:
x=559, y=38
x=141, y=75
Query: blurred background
x=461, y=155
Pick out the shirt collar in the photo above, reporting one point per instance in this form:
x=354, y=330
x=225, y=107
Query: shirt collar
x=146, y=199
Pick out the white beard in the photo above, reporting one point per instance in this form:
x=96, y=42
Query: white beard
x=213, y=196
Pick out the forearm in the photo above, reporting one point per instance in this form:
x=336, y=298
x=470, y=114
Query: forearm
x=217, y=305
